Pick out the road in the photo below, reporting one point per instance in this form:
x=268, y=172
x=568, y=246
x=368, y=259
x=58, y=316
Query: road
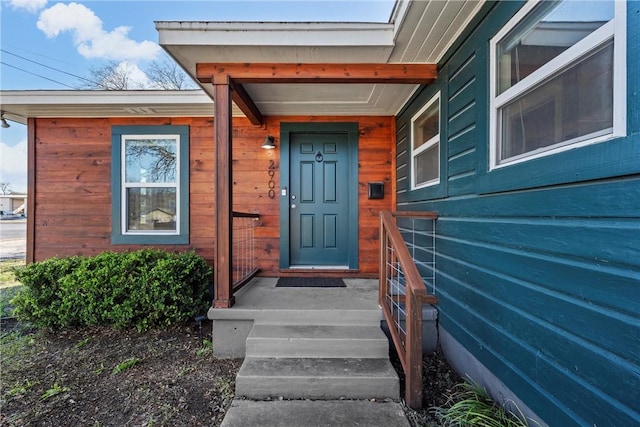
x=13, y=239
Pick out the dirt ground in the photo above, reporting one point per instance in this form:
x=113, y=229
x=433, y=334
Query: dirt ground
x=102, y=377
x=438, y=382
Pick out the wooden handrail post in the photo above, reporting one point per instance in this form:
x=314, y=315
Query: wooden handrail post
x=408, y=342
x=382, y=267
x=413, y=380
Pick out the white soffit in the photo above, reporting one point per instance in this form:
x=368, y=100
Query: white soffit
x=302, y=42
x=427, y=29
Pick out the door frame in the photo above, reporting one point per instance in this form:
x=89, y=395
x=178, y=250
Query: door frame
x=351, y=130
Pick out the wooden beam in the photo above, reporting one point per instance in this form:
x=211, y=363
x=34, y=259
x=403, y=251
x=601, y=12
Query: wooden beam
x=223, y=286
x=246, y=104
x=318, y=73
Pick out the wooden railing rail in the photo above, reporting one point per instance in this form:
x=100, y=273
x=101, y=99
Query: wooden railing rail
x=243, y=248
x=402, y=293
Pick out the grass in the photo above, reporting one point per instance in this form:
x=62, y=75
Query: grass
x=7, y=278
x=206, y=349
x=54, y=391
x=470, y=405
x=6, y=295
x=129, y=363
x=9, y=286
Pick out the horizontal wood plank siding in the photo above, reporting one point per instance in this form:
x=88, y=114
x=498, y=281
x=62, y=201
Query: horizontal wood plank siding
x=72, y=213
x=375, y=163
x=538, y=265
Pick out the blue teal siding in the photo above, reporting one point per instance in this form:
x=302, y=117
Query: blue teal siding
x=538, y=264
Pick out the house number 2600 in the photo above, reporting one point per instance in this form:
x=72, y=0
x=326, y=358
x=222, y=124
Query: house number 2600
x=272, y=183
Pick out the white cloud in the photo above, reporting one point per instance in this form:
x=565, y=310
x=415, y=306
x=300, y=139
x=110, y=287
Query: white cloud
x=136, y=77
x=91, y=40
x=13, y=165
x=29, y=5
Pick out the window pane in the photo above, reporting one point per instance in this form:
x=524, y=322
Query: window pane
x=427, y=126
x=573, y=105
x=150, y=160
x=548, y=30
x=151, y=209
x=427, y=165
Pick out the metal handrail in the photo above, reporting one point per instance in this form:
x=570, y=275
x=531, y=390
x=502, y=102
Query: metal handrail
x=402, y=292
x=243, y=248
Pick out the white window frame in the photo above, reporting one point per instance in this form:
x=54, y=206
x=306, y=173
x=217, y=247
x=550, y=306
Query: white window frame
x=614, y=29
x=126, y=185
x=430, y=143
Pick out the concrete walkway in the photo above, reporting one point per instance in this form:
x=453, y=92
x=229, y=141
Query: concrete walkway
x=315, y=413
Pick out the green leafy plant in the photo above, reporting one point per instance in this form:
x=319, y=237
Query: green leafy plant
x=144, y=289
x=22, y=388
x=225, y=389
x=99, y=369
x=123, y=366
x=83, y=342
x=53, y=391
x=470, y=405
x=206, y=349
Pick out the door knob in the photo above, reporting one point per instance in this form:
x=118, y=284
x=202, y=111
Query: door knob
x=293, y=205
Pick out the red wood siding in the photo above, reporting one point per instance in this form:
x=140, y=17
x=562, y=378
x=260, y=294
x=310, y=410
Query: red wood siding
x=72, y=212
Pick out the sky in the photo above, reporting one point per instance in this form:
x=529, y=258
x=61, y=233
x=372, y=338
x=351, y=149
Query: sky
x=54, y=45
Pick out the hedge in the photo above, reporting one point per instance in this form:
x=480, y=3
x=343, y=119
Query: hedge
x=145, y=288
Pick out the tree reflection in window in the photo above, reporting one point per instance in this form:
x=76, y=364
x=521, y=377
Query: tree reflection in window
x=151, y=160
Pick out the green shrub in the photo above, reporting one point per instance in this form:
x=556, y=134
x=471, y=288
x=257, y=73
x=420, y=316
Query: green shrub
x=145, y=288
x=470, y=406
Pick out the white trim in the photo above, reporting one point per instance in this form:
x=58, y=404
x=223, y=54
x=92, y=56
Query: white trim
x=330, y=34
x=435, y=140
x=620, y=70
x=614, y=29
x=124, y=185
x=19, y=105
x=552, y=68
x=91, y=97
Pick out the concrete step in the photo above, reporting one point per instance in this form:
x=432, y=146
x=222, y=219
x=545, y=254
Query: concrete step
x=299, y=316
x=297, y=413
x=325, y=341
x=317, y=378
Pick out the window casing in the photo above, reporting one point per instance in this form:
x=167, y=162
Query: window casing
x=425, y=145
x=150, y=184
x=558, y=75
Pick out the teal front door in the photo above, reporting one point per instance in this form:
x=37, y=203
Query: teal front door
x=321, y=199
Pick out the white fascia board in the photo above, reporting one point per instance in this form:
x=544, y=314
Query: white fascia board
x=398, y=14
x=261, y=34
x=18, y=105
x=93, y=97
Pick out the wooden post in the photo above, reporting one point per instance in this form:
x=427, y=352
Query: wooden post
x=223, y=287
x=413, y=348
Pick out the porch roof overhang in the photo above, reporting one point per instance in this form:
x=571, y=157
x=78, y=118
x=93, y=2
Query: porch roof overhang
x=19, y=105
x=309, y=68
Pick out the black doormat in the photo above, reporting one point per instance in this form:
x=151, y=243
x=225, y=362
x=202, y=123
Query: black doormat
x=310, y=282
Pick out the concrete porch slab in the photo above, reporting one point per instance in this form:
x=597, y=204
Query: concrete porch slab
x=260, y=302
x=261, y=294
